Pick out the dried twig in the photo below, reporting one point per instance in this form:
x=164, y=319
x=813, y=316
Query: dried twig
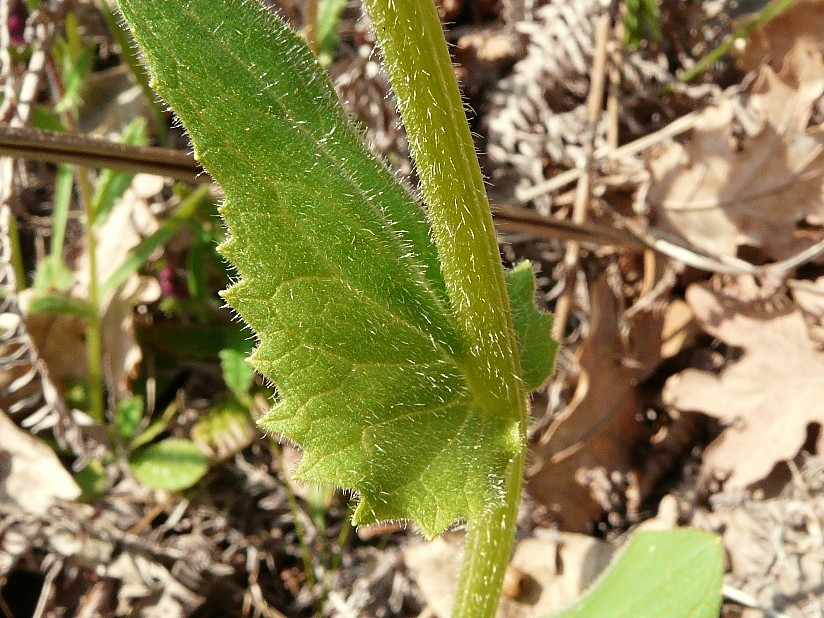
x=56, y=147
x=59, y=147
x=595, y=102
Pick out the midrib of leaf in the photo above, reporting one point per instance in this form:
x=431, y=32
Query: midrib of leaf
x=337, y=274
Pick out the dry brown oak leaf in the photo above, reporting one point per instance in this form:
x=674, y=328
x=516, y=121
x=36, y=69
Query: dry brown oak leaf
x=721, y=190
x=768, y=396
x=598, y=430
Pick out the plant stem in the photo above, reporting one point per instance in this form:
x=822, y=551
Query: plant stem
x=420, y=70
x=18, y=268
x=486, y=552
x=311, y=29
x=94, y=336
x=305, y=550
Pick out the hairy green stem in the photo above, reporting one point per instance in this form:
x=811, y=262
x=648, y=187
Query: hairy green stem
x=420, y=70
x=486, y=552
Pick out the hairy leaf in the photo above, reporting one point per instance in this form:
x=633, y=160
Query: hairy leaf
x=338, y=276
x=536, y=346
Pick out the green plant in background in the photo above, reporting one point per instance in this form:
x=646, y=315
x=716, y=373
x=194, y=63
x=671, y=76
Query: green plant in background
x=401, y=354
x=329, y=14
x=642, y=21
x=672, y=574
x=136, y=435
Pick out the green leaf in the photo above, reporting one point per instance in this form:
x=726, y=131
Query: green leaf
x=674, y=573
x=155, y=428
x=76, y=58
x=329, y=14
x=172, y=464
x=642, y=21
x=237, y=373
x=338, y=276
x=127, y=416
x=536, y=346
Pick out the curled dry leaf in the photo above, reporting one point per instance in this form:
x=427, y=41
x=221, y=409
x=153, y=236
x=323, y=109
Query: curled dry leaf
x=809, y=295
x=769, y=396
x=720, y=193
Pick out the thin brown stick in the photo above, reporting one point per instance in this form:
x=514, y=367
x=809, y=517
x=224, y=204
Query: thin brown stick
x=63, y=148
x=514, y=219
x=580, y=209
x=37, y=145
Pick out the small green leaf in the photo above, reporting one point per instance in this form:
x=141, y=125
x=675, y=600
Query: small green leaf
x=642, y=21
x=237, y=373
x=536, y=346
x=674, y=573
x=329, y=14
x=338, y=275
x=127, y=416
x=172, y=464
x=52, y=274
x=155, y=428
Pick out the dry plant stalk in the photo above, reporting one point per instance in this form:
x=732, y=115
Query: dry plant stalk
x=583, y=193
